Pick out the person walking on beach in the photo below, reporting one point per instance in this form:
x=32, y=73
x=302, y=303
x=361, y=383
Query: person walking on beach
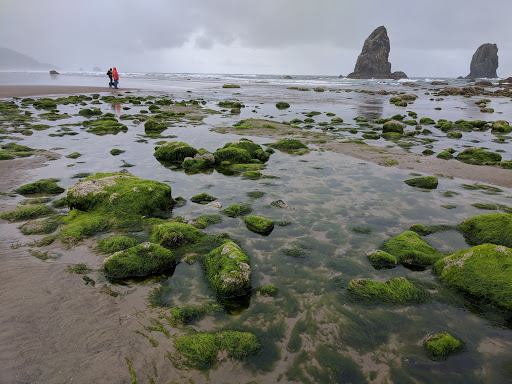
x=109, y=74
x=116, y=77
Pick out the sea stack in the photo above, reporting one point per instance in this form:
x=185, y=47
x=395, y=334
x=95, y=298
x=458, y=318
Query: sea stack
x=373, y=62
x=484, y=62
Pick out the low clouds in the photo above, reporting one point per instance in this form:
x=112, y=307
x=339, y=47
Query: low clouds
x=292, y=36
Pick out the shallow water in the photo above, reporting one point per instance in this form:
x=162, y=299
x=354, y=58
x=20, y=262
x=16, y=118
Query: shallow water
x=328, y=195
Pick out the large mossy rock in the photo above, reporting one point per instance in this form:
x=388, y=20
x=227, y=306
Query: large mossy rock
x=410, y=249
x=174, y=151
x=141, y=260
x=43, y=186
x=425, y=182
x=105, y=125
x=259, y=224
x=395, y=291
x=228, y=270
x=289, y=144
x=484, y=272
x=254, y=150
x=478, y=156
x=381, y=259
x=236, y=210
x=393, y=126
x=175, y=235
x=495, y=228
x=233, y=155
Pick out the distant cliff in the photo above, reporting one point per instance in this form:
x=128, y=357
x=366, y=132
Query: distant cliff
x=14, y=61
x=484, y=62
x=373, y=62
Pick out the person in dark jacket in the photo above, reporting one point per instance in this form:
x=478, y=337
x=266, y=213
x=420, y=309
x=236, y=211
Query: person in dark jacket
x=109, y=74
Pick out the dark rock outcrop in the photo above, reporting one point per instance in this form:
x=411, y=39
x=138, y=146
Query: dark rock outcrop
x=373, y=62
x=484, y=62
x=54, y=72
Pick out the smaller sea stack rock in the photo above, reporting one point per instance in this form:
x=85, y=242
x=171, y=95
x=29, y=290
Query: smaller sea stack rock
x=373, y=62
x=484, y=62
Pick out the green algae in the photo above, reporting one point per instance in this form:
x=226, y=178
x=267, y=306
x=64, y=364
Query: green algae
x=410, y=249
x=27, y=212
x=427, y=230
x=259, y=224
x=116, y=243
x=441, y=344
x=203, y=198
x=116, y=151
x=139, y=261
x=395, y=291
x=478, y=156
x=282, y=105
x=484, y=272
x=175, y=235
x=105, y=125
x=294, y=145
x=191, y=313
x=42, y=227
x=74, y=155
x=236, y=210
x=495, y=228
x=425, y=182
x=206, y=220
x=255, y=150
x=79, y=269
x=87, y=112
x=228, y=270
x=232, y=155
x=381, y=259
x=174, y=151
x=44, y=186
x=445, y=155
x=268, y=290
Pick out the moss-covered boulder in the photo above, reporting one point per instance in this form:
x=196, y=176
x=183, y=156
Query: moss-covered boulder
x=495, y=228
x=232, y=155
x=410, y=249
x=203, y=198
x=255, y=150
x=282, y=105
x=153, y=126
x=105, y=125
x=381, y=259
x=259, y=224
x=425, y=182
x=393, y=126
x=86, y=112
x=44, y=186
x=141, y=260
x=174, y=151
x=478, y=156
x=441, y=344
x=236, y=210
x=175, y=235
x=426, y=121
x=445, y=155
x=395, y=291
x=199, y=161
x=501, y=126
x=228, y=269
x=289, y=144
x=484, y=272
x=116, y=243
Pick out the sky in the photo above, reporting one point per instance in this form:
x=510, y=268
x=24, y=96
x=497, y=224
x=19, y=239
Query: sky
x=434, y=38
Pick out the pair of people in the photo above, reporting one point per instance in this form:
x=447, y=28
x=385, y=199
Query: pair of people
x=114, y=77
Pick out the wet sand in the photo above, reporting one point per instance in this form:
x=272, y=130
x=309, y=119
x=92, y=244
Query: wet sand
x=47, y=90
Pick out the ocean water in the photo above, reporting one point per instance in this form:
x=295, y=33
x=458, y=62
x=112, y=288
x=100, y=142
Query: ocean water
x=339, y=209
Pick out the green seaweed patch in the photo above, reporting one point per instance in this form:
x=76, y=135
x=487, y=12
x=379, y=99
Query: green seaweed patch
x=267, y=290
x=175, y=151
x=259, y=224
x=483, y=272
x=410, y=249
x=139, y=261
x=228, y=270
x=202, y=350
x=237, y=210
x=116, y=151
x=203, y=198
x=79, y=269
x=394, y=291
x=116, y=243
x=74, y=155
x=482, y=187
x=441, y=344
x=381, y=259
x=495, y=228
x=445, y=155
x=255, y=194
x=425, y=182
x=423, y=230
x=191, y=313
x=105, y=125
x=255, y=150
x=42, y=227
x=205, y=221
x=27, y=212
x=175, y=234
x=43, y=186
x=87, y=112
x=282, y=105
x=478, y=156
x=230, y=86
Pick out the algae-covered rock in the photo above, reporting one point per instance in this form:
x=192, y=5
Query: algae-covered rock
x=116, y=243
x=141, y=260
x=501, y=126
x=199, y=161
x=105, y=125
x=259, y=224
x=232, y=155
x=282, y=105
x=235, y=210
x=203, y=198
x=174, y=151
x=86, y=112
x=478, y=156
x=393, y=126
x=484, y=272
x=445, y=155
x=44, y=186
x=395, y=291
x=409, y=248
x=441, y=344
x=175, y=235
x=426, y=182
x=289, y=144
x=426, y=121
x=27, y=212
x=254, y=150
x=495, y=228
x=153, y=126
x=228, y=269
x=381, y=259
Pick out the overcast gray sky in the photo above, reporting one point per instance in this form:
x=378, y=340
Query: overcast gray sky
x=428, y=37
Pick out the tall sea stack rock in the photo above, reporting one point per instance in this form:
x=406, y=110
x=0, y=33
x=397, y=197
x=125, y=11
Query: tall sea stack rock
x=484, y=62
x=373, y=62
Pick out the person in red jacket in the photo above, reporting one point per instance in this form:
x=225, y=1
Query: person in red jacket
x=115, y=75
